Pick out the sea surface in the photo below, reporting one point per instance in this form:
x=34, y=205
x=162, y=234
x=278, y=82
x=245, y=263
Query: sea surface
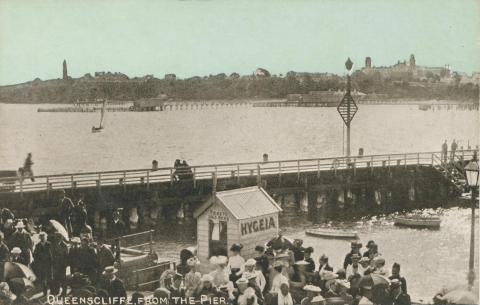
x=63, y=142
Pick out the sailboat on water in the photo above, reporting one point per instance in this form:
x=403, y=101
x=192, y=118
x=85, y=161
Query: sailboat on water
x=102, y=115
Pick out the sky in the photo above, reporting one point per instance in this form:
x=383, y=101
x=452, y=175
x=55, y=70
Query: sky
x=201, y=37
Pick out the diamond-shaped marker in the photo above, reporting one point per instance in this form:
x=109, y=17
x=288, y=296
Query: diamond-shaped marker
x=347, y=108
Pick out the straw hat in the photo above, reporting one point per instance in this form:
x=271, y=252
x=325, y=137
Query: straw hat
x=312, y=288
x=328, y=275
x=110, y=270
x=19, y=225
x=250, y=262
x=222, y=260
x=16, y=250
x=301, y=263
x=75, y=240
x=343, y=283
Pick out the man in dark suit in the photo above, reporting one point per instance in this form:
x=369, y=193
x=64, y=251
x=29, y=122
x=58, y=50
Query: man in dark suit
x=89, y=260
x=42, y=261
x=114, y=286
x=398, y=297
x=59, y=264
x=105, y=255
x=4, y=251
x=354, y=249
x=117, y=226
x=21, y=239
x=396, y=275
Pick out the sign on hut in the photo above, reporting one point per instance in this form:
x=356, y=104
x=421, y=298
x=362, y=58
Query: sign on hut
x=248, y=216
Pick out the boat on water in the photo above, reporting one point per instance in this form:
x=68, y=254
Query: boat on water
x=428, y=222
x=102, y=115
x=332, y=233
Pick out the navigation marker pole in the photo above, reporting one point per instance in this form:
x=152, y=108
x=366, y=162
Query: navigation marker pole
x=347, y=107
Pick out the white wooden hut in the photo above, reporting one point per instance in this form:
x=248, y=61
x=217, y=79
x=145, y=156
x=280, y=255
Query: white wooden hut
x=248, y=216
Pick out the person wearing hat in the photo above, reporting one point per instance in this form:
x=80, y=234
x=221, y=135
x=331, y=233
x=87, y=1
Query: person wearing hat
x=250, y=268
x=323, y=266
x=277, y=277
x=193, y=279
x=176, y=289
x=284, y=297
x=74, y=255
x=327, y=278
x=379, y=266
x=298, y=250
x=398, y=297
x=372, y=252
x=22, y=239
x=4, y=251
x=89, y=260
x=364, y=262
x=396, y=275
x=262, y=259
x=60, y=262
x=42, y=261
x=338, y=289
x=249, y=297
x=117, y=226
x=114, y=285
x=313, y=295
x=105, y=255
x=252, y=284
x=279, y=243
x=79, y=216
x=65, y=211
x=15, y=255
x=355, y=267
x=310, y=269
x=6, y=296
x=206, y=289
x=236, y=263
x=354, y=249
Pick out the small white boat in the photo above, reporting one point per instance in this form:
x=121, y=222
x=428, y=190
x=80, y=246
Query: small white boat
x=430, y=222
x=332, y=233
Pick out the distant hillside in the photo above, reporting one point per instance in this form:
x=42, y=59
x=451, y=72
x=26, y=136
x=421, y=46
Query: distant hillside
x=118, y=86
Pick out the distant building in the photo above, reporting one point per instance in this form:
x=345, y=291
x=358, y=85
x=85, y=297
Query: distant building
x=402, y=69
x=260, y=72
x=65, y=72
x=368, y=62
x=170, y=76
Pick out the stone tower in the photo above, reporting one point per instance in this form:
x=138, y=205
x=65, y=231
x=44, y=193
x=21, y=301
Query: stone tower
x=412, y=61
x=65, y=73
x=368, y=62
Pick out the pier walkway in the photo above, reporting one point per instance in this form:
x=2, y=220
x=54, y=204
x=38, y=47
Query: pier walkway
x=148, y=176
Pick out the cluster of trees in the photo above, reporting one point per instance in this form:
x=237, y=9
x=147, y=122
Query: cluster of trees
x=222, y=87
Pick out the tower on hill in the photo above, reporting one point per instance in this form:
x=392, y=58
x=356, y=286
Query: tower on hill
x=65, y=73
x=412, y=61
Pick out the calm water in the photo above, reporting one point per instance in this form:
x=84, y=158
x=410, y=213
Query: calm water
x=63, y=142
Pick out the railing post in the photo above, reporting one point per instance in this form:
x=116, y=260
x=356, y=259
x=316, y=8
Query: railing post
x=298, y=169
x=354, y=164
x=418, y=158
x=99, y=183
x=259, y=176
x=279, y=172
x=238, y=174
x=48, y=187
x=148, y=180
x=214, y=183
x=318, y=168
x=171, y=176
x=433, y=154
x=71, y=182
x=405, y=160
x=124, y=181
x=194, y=177
x=151, y=241
x=389, y=162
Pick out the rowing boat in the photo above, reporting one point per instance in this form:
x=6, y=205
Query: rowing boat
x=430, y=222
x=332, y=233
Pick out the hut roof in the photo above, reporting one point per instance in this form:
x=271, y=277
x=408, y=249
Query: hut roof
x=244, y=203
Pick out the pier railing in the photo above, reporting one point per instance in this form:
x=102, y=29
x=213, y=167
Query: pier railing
x=194, y=174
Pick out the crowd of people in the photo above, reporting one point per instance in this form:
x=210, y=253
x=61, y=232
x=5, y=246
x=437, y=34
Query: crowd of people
x=60, y=258
x=284, y=273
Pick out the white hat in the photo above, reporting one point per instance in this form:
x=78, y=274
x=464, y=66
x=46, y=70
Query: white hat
x=312, y=288
x=250, y=262
x=222, y=260
x=214, y=260
x=16, y=250
x=110, y=270
x=328, y=275
x=301, y=263
x=343, y=283
x=19, y=225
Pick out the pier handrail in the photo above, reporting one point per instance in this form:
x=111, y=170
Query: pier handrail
x=201, y=172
